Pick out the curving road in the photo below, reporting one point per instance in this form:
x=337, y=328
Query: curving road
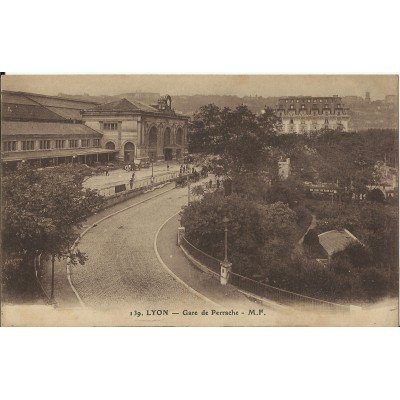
x=123, y=270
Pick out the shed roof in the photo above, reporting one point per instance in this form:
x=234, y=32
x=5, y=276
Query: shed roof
x=335, y=241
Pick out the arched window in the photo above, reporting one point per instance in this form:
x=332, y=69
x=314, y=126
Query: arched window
x=179, y=136
x=110, y=146
x=167, y=136
x=153, y=137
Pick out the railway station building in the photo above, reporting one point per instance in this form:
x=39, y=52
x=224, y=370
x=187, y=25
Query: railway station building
x=137, y=130
x=47, y=130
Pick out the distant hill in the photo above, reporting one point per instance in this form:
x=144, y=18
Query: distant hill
x=378, y=114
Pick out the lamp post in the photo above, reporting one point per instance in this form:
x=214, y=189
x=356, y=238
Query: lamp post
x=188, y=183
x=225, y=221
x=226, y=266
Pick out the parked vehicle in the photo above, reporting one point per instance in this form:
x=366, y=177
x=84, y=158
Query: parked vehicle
x=142, y=162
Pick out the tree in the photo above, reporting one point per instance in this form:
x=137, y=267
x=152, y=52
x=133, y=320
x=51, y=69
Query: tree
x=375, y=195
x=41, y=212
x=204, y=130
x=259, y=235
x=311, y=238
x=241, y=139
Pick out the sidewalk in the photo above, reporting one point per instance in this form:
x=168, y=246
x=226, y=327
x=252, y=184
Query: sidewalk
x=173, y=257
x=120, y=176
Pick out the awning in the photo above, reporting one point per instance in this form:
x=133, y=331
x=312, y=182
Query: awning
x=173, y=146
x=36, y=155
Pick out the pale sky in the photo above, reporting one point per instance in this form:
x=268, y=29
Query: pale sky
x=241, y=85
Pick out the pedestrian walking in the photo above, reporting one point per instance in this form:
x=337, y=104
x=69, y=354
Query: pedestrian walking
x=218, y=183
x=107, y=170
x=131, y=183
x=167, y=167
x=133, y=176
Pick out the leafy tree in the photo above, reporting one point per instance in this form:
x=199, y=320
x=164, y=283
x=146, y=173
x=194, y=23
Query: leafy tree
x=239, y=137
x=375, y=195
x=204, y=130
x=311, y=238
x=259, y=235
x=41, y=211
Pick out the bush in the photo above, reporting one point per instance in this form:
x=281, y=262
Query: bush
x=259, y=235
x=311, y=238
x=375, y=195
x=375, y=283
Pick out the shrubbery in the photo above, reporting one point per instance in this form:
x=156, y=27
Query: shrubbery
x=259, y=235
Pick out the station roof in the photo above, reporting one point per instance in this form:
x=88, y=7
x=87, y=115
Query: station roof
x=42, y=129
x=123, y=105
x=38, y=107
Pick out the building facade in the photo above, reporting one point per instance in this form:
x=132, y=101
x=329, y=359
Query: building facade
x=300, y=114
x=47, y=130
x=135, y=130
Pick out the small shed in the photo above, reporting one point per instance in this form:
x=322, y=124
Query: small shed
x=336, y=240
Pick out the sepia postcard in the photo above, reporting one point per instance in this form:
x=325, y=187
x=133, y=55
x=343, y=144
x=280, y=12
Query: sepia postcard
x=200, y=200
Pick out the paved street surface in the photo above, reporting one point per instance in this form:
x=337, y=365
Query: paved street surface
x=123, y=271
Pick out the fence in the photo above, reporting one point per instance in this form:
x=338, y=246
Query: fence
x=210, y=262
x=141, y=183
x=282, y=296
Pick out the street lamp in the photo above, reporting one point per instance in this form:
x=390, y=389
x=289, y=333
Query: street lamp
x=225, y=221
x=188, y=183
x=226, y=266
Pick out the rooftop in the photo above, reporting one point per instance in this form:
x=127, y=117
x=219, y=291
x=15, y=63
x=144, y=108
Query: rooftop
x=123, y=105
x=37, y=128
x=335, y=241
x=38, y=107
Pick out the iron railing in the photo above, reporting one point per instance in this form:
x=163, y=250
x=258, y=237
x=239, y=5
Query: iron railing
x=212, y=263
x=141, y=183
x=282, y=296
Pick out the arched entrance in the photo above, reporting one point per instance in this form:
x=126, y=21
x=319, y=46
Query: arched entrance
x=179, y=142
x=129, y=152
x=167, y=143
x=110, y=146
x=153, y=143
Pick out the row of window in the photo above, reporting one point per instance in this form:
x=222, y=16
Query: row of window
x=46, y=144
x=110, y=126
x=303, y=122
x=312, y=113
x=309, y=100
x=292, y=126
